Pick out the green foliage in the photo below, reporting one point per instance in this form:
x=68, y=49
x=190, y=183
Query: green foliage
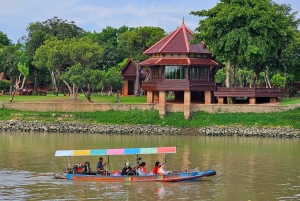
x=249, y=32
x=137, y=40
x=4, y=40
x=24, y=70
x=220, y=76
x=114, y=78
x=137, y=117
x=278, y=81
x=9, y=59
x=4, y=84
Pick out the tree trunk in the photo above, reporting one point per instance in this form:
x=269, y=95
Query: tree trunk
x=36, y=75
x=227, y=81
x=54, y=82
x=118, y=96
x=23, y=82
x=267, y=80
x=12, y=96
x=87, y=94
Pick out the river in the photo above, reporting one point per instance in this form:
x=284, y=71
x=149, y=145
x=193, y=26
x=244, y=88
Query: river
x=247, y=168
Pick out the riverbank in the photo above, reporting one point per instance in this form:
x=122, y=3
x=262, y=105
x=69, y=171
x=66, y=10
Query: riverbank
x=67, y=127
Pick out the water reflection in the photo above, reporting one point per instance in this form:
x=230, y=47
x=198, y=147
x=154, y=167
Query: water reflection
x=247, y=168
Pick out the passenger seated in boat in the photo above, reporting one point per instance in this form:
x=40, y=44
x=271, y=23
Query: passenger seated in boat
x=161, y=170
x=100, y=167
x=127, y=170
x=142, y=169
x=156, y=167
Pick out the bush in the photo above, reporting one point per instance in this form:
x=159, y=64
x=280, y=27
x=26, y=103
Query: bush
x=4, y=84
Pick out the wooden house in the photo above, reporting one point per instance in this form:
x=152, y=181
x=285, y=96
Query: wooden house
x=176, y=65
x=132, y=84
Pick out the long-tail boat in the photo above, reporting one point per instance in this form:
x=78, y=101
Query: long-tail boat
x=83, y=171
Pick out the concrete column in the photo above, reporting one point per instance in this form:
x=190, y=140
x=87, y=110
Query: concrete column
x=208, y=97
x=149, y=96
x=220, y=100
x=272, y=99
x=162, y=103
x=252, y=100
x=125, y=88
x=155, y=96
x=187, y=104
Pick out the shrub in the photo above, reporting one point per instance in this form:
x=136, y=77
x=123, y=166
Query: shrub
x=4, y=84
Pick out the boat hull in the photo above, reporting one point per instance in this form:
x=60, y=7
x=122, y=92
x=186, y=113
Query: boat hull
x=173, y=177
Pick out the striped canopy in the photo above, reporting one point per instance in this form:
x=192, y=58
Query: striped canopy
x=125, y=151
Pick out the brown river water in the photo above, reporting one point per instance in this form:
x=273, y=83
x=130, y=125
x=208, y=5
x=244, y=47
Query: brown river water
x=247, y=168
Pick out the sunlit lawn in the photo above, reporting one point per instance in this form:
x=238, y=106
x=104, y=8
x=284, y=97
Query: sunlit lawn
x=289, y=101
x=80, y=98
x=107, y=99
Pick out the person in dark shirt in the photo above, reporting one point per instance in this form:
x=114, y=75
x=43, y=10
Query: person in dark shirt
x=127, y=169
x=100, y=167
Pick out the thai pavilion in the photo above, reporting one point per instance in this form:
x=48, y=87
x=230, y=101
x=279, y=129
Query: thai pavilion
x=176, y=65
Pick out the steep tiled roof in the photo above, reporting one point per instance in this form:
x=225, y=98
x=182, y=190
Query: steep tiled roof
x=129, y=69
x=179, y=61
x=177, y=42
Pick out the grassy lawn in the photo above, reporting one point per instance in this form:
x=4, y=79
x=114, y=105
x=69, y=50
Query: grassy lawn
x=109, y=99
x=279, y=119
x=289, y=101
x=80, y=98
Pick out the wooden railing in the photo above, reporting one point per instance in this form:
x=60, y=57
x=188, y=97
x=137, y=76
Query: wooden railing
x=248, y=92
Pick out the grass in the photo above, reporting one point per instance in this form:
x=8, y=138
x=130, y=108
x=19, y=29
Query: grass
x=290, y=101
x=288, y=118
x=80, y=98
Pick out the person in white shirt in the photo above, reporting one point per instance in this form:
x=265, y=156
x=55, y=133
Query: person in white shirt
x=161, y=170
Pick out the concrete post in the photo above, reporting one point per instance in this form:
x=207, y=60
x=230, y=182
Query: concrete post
x=149, y=96
x=187, y=104
x=162, y=103
x=208, y=97
x=272, y=99
x=252, y=100
x=220, y=100
x=155, y=96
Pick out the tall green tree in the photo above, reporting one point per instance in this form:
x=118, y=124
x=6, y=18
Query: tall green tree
x=9, y=59
x=38, y=32
x=114, y=80
x=79, y=56
x=137, y=40
x=247, y=32
x=4, y=40
x=113, y=52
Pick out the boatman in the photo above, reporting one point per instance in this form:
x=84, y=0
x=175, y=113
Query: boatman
x=100, y=167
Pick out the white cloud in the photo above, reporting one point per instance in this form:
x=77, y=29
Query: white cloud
x=15, y=15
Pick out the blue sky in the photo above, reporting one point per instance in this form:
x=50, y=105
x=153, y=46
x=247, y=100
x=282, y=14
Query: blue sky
x=94, y=15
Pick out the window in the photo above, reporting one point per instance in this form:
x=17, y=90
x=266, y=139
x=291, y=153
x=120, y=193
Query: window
x=174, y=72
x=198, y=73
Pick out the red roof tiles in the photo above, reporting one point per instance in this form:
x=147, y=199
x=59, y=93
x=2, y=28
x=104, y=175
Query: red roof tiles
x=177, y=42
x=179, y=62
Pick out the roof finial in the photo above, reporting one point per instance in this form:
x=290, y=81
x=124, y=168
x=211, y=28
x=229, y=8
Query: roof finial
x=183, y=20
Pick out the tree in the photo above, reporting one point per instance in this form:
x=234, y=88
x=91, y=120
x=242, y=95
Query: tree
x=247, y=32
x=4, y=40
x=77, y=77
x=9, y=59
x=113, y=53
x=114, y=79
x=55, y=57
x=38, y=32
x=138, y=40
x=74, y=58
